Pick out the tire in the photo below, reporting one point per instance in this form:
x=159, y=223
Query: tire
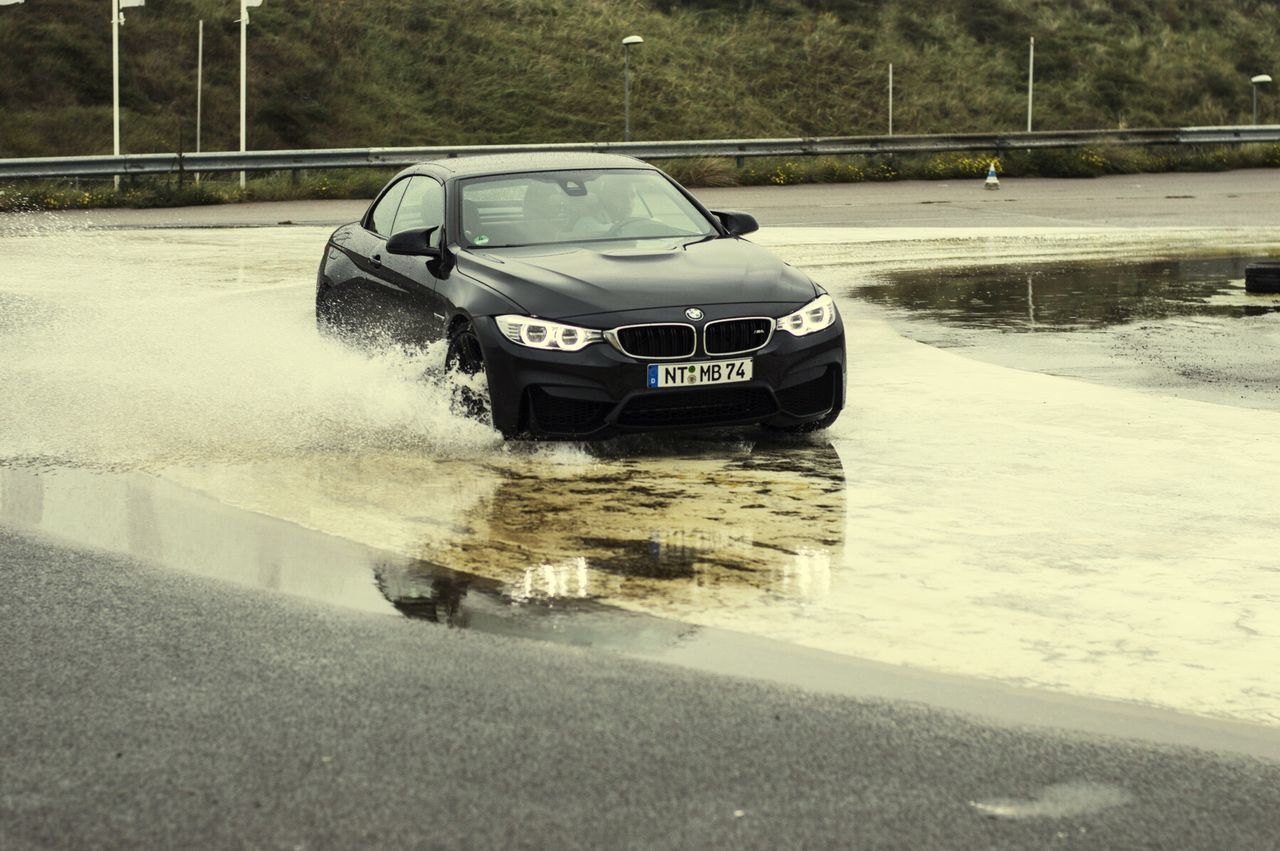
x=464, y=370
x=1262, y=277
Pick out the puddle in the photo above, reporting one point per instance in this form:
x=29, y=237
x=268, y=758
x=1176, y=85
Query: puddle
x=703, y=521
x=959, y=518
x=1183, y=326
x=147, y=517
x=529, y=531
x=1074, y=296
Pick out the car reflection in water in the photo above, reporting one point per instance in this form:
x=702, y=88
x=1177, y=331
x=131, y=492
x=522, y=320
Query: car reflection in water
x=664, y=533
x=525, y=544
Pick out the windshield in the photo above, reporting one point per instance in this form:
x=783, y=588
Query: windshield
x=543, y=208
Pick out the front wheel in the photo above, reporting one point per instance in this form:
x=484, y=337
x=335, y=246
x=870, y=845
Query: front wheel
x=464, y=370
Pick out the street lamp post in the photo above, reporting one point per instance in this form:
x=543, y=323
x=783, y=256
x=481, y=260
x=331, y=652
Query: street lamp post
x=890, y=98
x=1031, y=79
x=626, y=83
x=244, y=40
x=117, y=19
x=1257, y=81
x=199, y=85
x=115, y=82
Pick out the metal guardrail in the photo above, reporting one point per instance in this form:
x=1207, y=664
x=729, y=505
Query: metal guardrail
x=994, y=143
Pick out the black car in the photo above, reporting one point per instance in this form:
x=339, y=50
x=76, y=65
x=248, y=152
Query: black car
x=588, y=295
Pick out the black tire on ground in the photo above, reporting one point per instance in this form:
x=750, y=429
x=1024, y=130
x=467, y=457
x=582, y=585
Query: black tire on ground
x=1262, y=277
x=465, y=359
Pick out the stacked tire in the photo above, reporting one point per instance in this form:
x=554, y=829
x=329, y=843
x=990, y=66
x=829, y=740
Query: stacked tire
x=1262, y=277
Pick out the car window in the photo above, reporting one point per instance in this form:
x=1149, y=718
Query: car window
x=385, y=213
x=421, y=207
x=576, y=206
x=666, y=207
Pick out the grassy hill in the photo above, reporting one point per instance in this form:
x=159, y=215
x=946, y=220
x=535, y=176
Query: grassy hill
x=333, y=73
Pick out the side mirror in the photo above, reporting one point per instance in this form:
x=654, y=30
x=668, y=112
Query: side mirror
x=415, y=243
x=737, y=224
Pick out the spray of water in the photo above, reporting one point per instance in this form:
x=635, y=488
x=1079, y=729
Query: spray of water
x=146, y=348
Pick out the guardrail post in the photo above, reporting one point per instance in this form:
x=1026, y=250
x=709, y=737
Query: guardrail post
x=180, y=171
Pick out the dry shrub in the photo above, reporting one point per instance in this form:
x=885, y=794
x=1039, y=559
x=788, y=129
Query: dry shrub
x=702, y=171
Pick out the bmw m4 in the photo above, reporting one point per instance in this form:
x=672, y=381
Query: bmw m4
x=586, y=295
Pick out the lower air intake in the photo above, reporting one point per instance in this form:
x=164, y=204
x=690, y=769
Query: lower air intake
x=556, y=415
x=812, y=397
x=704, y=406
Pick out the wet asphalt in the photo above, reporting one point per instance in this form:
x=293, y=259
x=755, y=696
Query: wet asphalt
x=145, y=709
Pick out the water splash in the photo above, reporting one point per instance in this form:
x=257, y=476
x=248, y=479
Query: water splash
x=142, y=348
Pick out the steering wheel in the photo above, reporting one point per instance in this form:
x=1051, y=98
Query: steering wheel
x=617, y=229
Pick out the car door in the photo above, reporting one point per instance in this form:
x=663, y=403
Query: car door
x=368, y=244
x=401, y=289
x=421, y=207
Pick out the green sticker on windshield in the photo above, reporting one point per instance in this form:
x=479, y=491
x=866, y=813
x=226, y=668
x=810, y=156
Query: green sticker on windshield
x=482, y=240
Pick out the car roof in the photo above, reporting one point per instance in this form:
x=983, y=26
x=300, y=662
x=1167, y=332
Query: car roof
x=488, y=164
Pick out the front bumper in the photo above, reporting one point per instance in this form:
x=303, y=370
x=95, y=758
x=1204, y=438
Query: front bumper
x=598, y=391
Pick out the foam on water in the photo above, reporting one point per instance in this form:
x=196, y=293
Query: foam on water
x=142, y=348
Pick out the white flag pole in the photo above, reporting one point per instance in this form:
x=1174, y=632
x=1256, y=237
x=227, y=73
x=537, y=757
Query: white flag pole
x=244, y=33
x=244, y=40
x=890, y=98
x=1031, y=79
x=244, y=30
x=117, y=18
x=115, y=82
x=199, y=86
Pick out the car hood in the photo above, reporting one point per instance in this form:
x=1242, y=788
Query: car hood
x=564, y=281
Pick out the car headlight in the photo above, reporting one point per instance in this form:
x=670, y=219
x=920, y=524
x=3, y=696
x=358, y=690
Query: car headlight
x=814, y=316
x=549, y=336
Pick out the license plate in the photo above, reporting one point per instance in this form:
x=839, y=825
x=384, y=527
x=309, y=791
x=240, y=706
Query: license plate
x=695, y=374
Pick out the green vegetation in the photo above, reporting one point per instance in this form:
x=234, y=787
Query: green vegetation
x=169, y=192
x=361, y=73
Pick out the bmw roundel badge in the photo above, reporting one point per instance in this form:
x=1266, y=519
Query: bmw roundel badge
x=694, y=313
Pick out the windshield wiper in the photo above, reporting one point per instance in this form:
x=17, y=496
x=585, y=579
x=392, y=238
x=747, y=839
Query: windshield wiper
x=700, y=239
